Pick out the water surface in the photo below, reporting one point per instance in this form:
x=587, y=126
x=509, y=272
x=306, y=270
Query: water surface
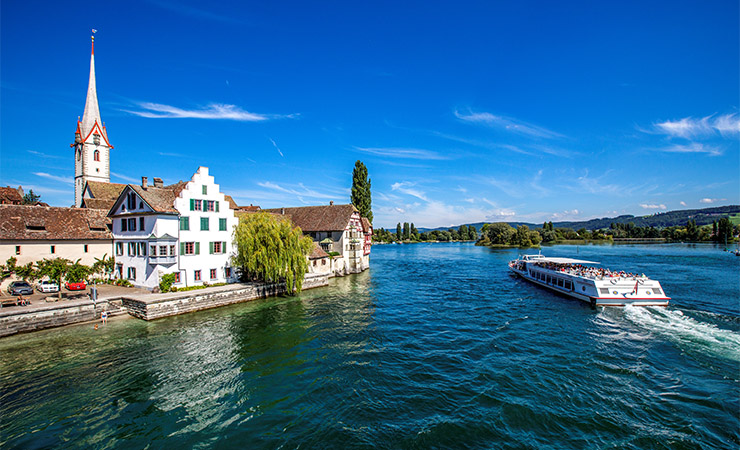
x=435, y=347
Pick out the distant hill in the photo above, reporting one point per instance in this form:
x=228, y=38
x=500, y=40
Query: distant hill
x=703, y=216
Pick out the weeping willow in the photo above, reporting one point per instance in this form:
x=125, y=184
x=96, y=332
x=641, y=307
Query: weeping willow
x=271, y=249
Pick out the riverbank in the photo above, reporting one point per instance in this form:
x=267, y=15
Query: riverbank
x=117, y=301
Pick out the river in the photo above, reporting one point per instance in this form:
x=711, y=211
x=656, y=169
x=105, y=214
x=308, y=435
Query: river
x=436, y=346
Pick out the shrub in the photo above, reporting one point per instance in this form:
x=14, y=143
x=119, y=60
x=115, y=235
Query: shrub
x=165, y=283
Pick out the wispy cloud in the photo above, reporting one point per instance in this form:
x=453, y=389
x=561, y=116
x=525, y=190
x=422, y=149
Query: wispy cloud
x=125, y=178
x=68, y=180
x=44, y=155
x=300, y=190
x=214, y=111
x=712, y=200
x=694, y=147
x=407, y=188
x=507, y=123
x=690, y=127
x=652, y=206
x=198, y=13
x=172, y=154
x=276, y=146
x=407, y=153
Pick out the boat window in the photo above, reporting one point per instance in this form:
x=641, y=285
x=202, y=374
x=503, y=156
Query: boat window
x=604, y=291
x=560, y=282
x=657, y=291
x=549, y=278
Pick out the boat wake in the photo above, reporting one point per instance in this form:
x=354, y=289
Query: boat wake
x=686, y=332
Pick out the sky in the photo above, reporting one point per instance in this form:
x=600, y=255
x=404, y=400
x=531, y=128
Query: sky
x=462, y=111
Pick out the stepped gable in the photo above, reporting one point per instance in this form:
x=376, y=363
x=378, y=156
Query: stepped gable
x=18, y=222
x=11, y=196
x=318, y=218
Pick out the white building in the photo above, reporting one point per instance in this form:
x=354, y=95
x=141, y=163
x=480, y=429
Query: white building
x=185, y=229
x=92, y=148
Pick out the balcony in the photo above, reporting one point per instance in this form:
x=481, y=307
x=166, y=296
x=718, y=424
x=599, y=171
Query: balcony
x=163, y=260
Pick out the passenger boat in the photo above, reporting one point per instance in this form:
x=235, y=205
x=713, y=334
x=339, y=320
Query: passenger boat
x=597, y=286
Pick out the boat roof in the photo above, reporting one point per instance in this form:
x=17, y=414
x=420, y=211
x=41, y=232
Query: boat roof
x=555, y=260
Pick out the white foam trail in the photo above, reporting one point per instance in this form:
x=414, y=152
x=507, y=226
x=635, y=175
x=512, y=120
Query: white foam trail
x=686, y=331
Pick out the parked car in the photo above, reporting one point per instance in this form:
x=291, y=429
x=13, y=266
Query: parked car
x=20, y=287
x=47, y=286
x=81, y=286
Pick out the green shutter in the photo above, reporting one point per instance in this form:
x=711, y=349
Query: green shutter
x=205, y=189
x=205, y=205
x=197, y=248
x=223, y=247
x=217, y=202
x=192, y=204
x=221, y=224
x=182, y=248
x=210, y=244
x=187, y=223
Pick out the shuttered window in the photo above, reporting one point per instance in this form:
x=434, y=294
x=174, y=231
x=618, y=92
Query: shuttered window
x=221, y=224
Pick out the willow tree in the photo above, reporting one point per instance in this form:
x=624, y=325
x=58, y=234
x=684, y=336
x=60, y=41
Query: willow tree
x=271, y=249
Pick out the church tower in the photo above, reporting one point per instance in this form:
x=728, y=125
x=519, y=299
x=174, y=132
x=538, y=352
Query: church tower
x=92, y=149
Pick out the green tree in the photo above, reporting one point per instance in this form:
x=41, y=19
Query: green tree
x=104, y=265
x=55, y=269
x=414, y=232
x=724, y=230
x=8, y=268
x=521, y=237
x=30, y=198
x=271, y=249
x=500, y=233
x=406, y=231
x=692, y=231
x=462, y=230
x=27, y=272
x=472, y=233
x=77, y=272
x=361, y=196
x=399, y=232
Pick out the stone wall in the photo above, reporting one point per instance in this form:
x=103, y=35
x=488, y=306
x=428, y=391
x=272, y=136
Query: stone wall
x=49, y=316
x=151, y=307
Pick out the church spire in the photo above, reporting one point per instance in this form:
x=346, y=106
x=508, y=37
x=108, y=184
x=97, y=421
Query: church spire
x=92, y=111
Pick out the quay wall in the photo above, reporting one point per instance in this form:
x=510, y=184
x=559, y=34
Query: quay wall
x=156, y=306
x=53, y=315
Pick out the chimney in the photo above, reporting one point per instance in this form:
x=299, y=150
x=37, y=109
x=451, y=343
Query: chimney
x=331, y=203
x=158, y=183
x=144, y=182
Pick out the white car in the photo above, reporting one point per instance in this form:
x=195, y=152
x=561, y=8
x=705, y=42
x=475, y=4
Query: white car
x=47, y=286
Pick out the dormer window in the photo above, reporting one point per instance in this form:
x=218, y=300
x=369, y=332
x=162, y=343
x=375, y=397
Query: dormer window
x=96, y=139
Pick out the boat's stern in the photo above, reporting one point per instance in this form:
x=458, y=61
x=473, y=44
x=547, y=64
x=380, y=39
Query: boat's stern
x=635, y=291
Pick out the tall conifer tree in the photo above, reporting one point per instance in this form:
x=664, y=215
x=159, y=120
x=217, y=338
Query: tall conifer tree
x=361, y=196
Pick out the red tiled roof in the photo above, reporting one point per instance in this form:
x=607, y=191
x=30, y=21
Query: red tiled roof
x=19, y=222
x=318, y=218
x=98, y=203
x=160, y=199
x=232, y=203
x=10, y=196
x=104, y=191
x=317, y=252
x=366, y=225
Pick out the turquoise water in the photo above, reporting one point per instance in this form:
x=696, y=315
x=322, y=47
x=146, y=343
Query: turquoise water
x=435, y=347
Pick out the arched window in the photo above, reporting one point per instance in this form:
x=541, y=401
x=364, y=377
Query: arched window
x=96, y=155
x=79, y=154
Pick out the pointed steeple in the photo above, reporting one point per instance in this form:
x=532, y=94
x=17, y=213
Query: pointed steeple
x=92, y=111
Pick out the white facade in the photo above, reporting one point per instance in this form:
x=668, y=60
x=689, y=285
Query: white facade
x=205, y=253
x=191, y=237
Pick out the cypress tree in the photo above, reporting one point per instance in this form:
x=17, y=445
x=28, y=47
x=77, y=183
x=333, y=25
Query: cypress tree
x=361, y=196
x=399, y=235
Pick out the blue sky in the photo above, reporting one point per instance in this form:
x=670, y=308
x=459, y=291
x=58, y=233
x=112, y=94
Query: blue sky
x=462, y=111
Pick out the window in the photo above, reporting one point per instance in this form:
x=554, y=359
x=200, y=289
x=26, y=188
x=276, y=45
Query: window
x=153, y=250
x=132, y=249
x=18, y=249
x=53, y=249
x=184, y=223
x=172, y=250
x=96, y=139
x=197, y=275
x=177, y=277
x=190, y=248
x=132, y=273
x=142, y=248
x=217, y=247
x=213, y=274
x=141, y=223
x=119, y=248
x=96, y=155
x=85, y=248
x=124, y=225
x=196, y=205
x=227, y=272
x=210, y=205
x=221, y=224
x=163, y=250
x=204, y=223
x=131, y=201
x=132, y=224
x=314, y=263
x=205, y=189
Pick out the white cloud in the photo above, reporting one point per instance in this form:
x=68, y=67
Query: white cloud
x=68, y=180
x=652, y=206
x=565, y=215
x=406, y=187
x=683, y=203
x=689, y=127
x=276, y=146
x=712, y=200
x=300, y=190
x=125, y=178
x=212, y=111
x=694, y=147
x=508, y=124
x=409, y=153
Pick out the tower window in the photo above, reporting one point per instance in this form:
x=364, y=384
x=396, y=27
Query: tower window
x=96, y=139
x=96, y=155
x=79, y=154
